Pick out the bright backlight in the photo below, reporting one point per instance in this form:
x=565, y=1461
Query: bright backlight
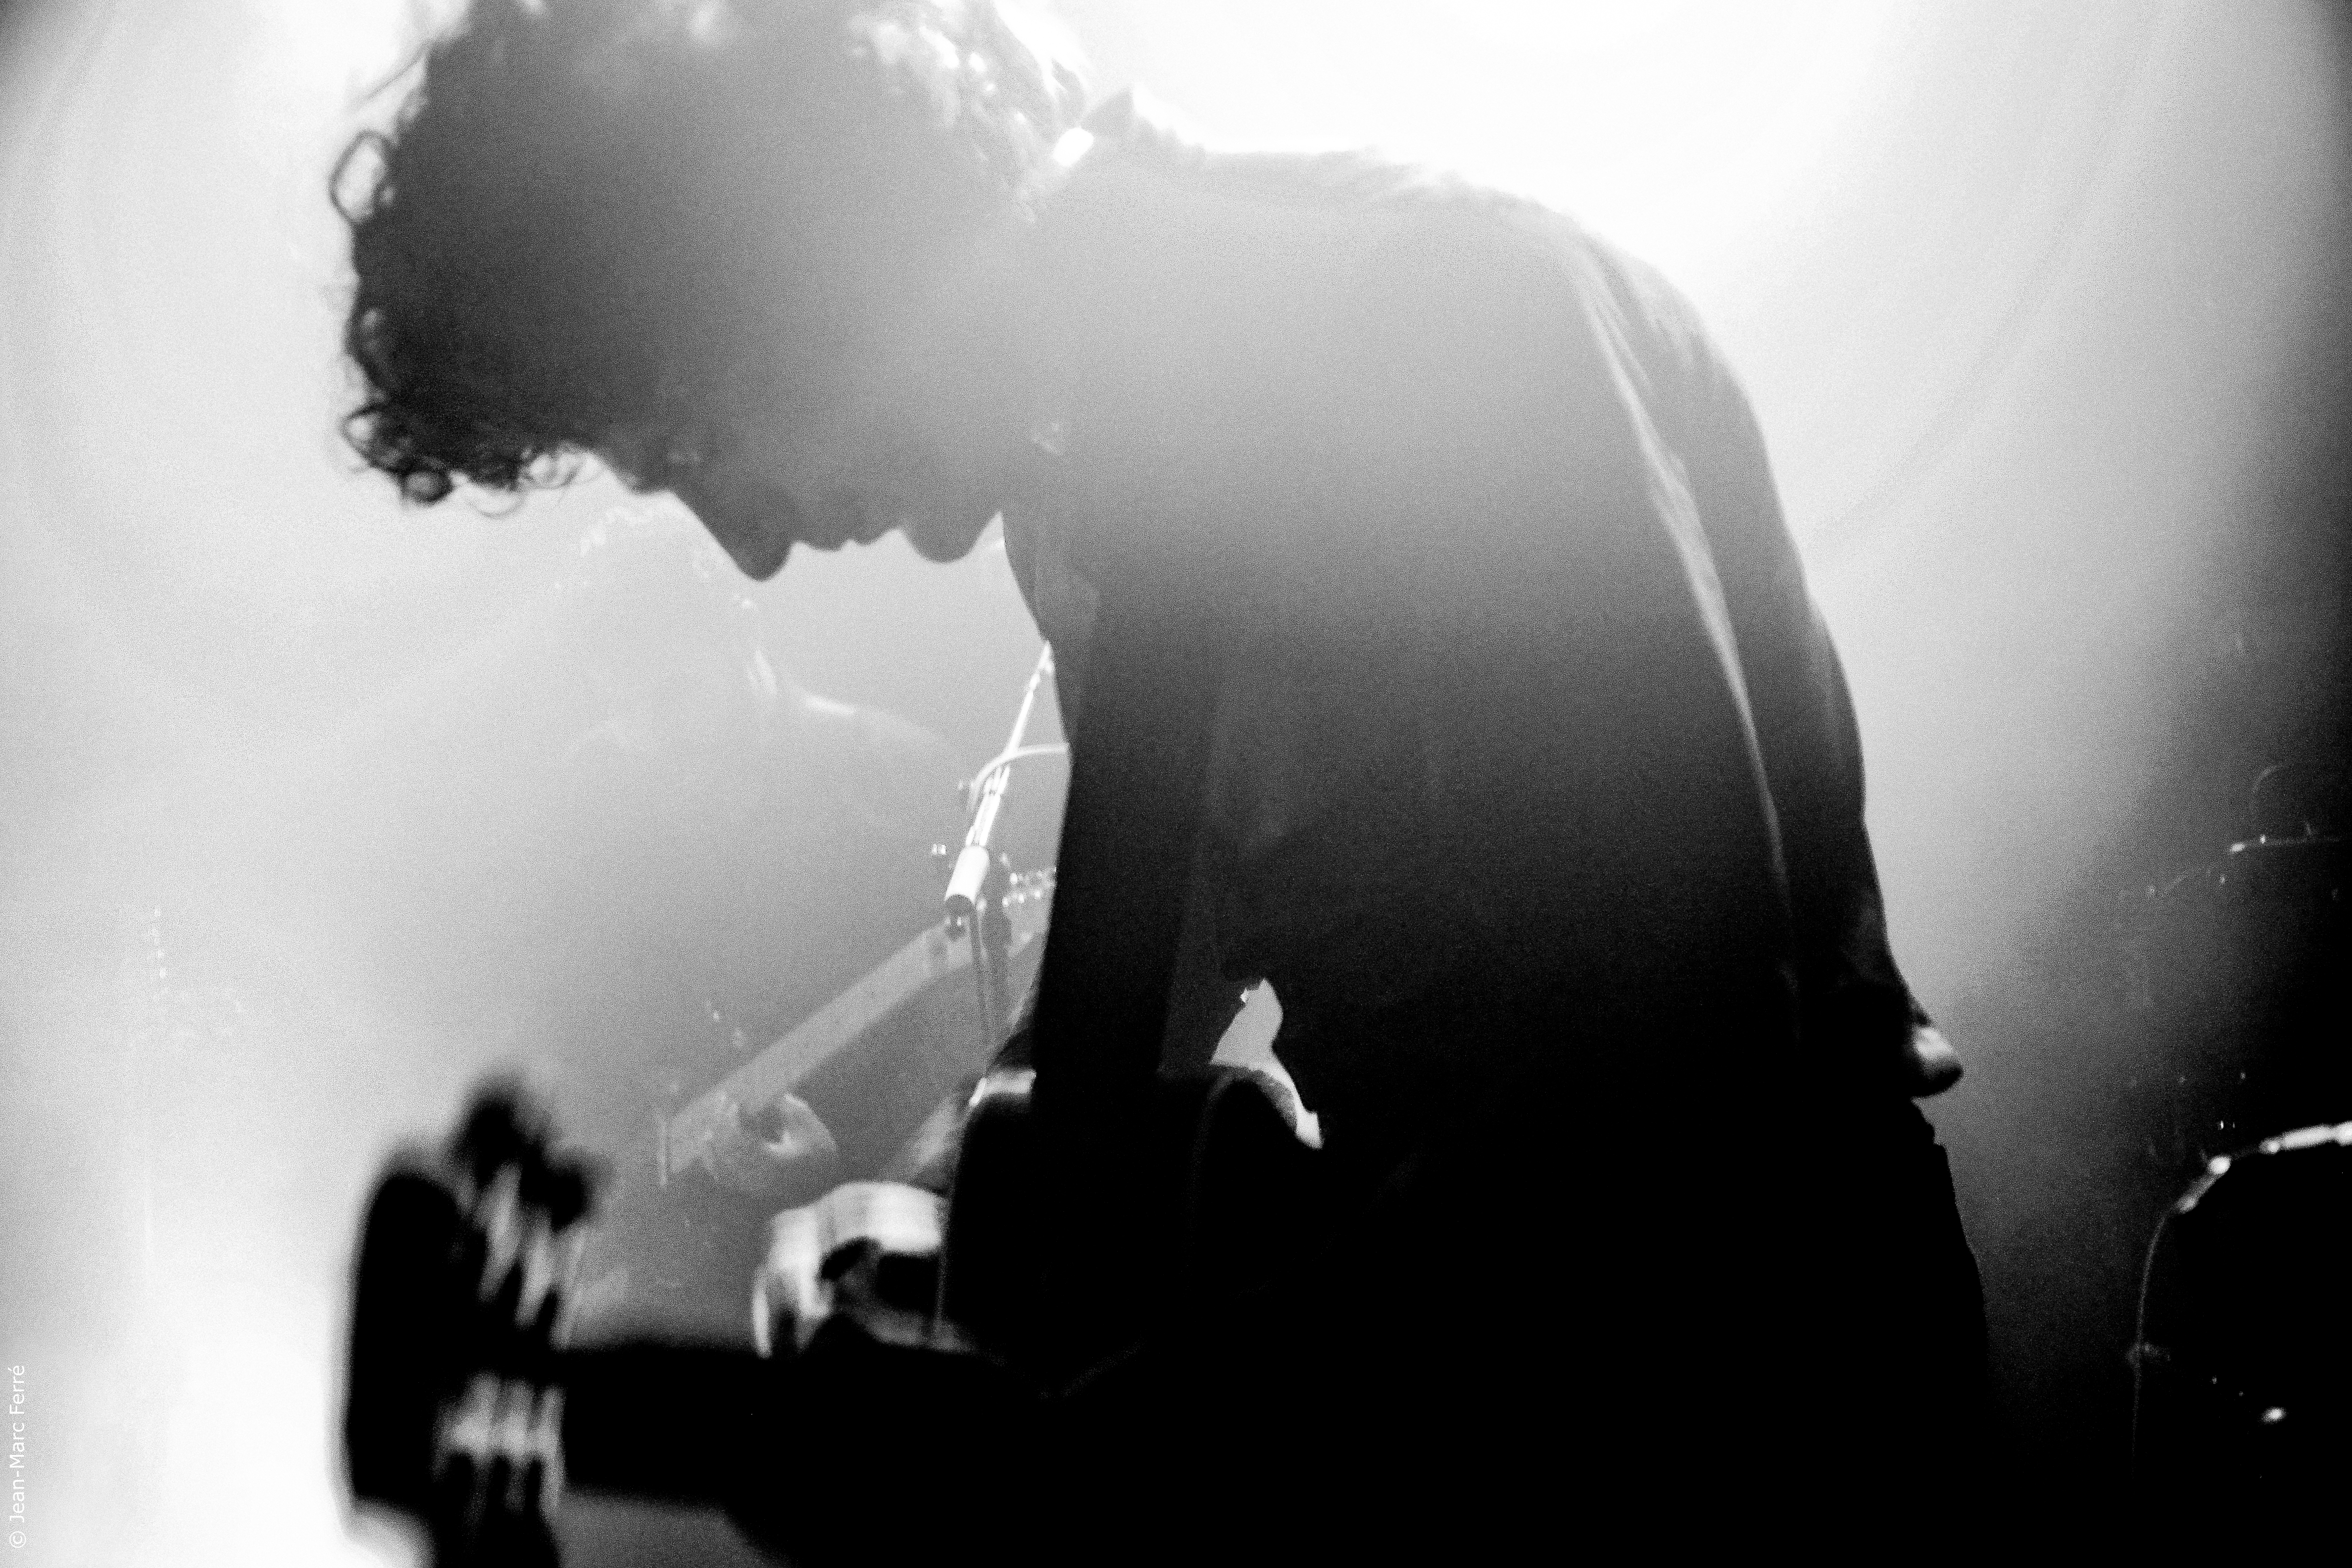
x=1670, y=126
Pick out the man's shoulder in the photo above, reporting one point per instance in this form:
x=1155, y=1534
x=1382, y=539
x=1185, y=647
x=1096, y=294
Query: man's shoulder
x=1142, y=130
x=1661, y=327
x=1392, y=208
x=1463, y=246
x=1409, y=210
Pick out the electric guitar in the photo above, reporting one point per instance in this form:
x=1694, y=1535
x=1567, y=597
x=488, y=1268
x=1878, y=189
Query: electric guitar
x=467, y=1412
x=1092, y=1200
x=680, y=1204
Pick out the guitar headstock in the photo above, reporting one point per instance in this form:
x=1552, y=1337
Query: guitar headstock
x=452, y=1412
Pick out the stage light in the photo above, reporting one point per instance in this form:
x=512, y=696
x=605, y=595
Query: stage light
x=1670, y=126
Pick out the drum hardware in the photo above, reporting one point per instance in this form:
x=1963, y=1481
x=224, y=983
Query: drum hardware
x=2241, y=1367
x=2237, y=968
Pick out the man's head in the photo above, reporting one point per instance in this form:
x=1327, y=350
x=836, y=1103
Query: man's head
x=705, y=239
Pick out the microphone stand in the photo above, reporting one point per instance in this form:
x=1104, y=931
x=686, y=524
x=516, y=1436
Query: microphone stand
x=980, y=878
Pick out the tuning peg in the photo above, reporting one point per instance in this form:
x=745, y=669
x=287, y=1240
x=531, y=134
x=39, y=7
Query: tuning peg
x=563, y=1186
x=504, y=1126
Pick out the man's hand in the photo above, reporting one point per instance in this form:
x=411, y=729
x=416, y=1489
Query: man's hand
x=866, y=1250
x=1929, y=1065
x=781, y=1154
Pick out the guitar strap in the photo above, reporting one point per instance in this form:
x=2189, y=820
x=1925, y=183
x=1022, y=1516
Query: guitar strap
x=1138, y=774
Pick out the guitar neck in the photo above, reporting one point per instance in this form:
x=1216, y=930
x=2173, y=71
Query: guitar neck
x=703, y=1400
x=685, y=1137
x=847, y=1054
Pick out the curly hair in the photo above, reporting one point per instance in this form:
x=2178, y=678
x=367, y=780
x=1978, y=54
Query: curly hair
x=572, y=226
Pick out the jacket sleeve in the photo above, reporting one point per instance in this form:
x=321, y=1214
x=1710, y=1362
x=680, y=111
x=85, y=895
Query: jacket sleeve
x=1854, y=1008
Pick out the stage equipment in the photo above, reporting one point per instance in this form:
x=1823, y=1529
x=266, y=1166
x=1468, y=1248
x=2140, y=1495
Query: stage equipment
x=2242, y=1404
x=2239, y=968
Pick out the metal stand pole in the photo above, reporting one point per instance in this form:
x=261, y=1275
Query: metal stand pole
x=980, y=877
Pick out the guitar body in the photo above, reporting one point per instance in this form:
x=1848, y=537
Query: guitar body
x=456, y=1389
x=1212, y=1193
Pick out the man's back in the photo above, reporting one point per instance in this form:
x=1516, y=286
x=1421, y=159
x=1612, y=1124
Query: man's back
x=1484, y=734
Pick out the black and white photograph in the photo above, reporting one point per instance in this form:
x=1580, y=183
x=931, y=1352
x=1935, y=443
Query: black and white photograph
x=825, y=782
